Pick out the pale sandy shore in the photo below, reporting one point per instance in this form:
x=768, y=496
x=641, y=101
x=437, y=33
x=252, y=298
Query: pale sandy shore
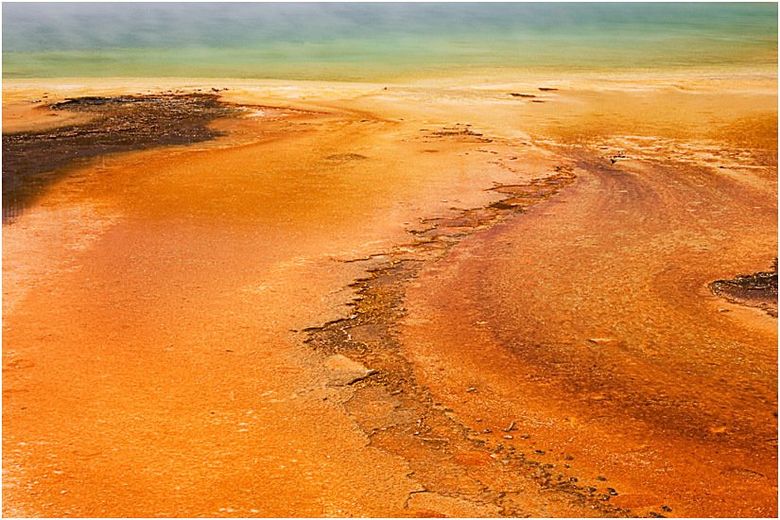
x=183, y=334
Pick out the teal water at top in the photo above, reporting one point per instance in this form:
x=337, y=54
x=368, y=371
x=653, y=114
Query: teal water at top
x=366, y=41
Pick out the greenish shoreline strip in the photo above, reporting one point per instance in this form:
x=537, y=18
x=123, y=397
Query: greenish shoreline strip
x=377, y=41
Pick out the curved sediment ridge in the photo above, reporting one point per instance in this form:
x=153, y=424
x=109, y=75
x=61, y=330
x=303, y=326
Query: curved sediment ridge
x=453, y=463
x=444, y=417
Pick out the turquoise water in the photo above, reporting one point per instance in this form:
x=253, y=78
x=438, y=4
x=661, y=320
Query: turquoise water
x=377, y=41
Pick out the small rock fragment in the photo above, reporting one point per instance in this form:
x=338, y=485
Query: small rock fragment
x=346, y=371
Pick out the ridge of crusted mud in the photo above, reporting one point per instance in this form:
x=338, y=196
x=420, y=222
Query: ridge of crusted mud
x=34, y=159
x=400, y=416
x=753, y=290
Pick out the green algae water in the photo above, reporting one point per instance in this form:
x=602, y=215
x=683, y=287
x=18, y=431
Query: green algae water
x=363, y=42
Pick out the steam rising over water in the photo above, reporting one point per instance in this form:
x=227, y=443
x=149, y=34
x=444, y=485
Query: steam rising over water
x=377, y=41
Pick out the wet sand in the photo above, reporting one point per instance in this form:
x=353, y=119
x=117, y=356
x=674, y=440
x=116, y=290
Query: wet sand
x=437, y=298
